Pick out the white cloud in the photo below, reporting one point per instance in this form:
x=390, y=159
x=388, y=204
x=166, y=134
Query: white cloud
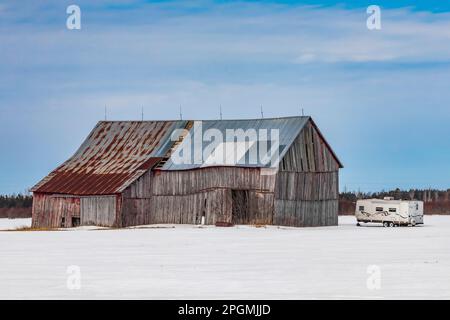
x=229, y=33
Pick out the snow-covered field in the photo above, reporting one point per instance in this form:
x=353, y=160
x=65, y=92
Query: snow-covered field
x=188, y=262
x=11, y=224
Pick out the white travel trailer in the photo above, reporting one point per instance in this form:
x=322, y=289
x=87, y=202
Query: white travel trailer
x=389, y=212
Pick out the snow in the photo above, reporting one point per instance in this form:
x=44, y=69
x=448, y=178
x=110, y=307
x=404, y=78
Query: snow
x=243, y=262
x=10, y=224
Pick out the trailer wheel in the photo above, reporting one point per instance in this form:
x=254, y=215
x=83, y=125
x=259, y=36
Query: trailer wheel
x=413, y=222
x=385, y=224
x=358, y=224
x=391, y=224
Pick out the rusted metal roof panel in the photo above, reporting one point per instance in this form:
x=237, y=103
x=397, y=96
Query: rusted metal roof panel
x=114, y=155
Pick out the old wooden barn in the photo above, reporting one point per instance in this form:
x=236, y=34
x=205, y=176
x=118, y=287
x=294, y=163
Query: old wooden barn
x=124, y=174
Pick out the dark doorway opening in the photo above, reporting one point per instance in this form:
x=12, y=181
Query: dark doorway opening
x=75, y=221
x=240, y=208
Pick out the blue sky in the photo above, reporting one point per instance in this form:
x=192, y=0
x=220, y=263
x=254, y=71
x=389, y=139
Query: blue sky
x=381, y=97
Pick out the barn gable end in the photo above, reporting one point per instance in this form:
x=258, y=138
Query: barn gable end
x=307, y=184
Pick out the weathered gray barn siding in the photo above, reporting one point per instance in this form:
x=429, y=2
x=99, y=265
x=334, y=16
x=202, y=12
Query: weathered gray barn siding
x=307, y=185
x=189, y=181
x=189, y=209
x=98, y=210
x=305, y=213
x=54, y=211
x=309, y=153
x=185, y=196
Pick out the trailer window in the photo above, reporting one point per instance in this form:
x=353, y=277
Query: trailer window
x=417, y=206
x=361, y=208
x=392, y=210
x=379, y=209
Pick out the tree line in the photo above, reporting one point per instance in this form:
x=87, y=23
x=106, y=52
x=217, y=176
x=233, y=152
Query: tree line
x=436, y=201
x=16, y=201
x=426, y=195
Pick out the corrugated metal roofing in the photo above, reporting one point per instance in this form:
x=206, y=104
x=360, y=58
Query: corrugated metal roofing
x=288, y=129
x=114, y=155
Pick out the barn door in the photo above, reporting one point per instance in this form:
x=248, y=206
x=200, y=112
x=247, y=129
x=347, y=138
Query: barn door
x=240, y=207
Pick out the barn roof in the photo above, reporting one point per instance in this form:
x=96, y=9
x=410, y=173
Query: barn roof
x=116, y=153
x=288, y=129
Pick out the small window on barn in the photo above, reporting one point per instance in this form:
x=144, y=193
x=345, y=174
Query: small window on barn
x=379, y=209
x=392, y=210
x=361, y=208
x=63, y=222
